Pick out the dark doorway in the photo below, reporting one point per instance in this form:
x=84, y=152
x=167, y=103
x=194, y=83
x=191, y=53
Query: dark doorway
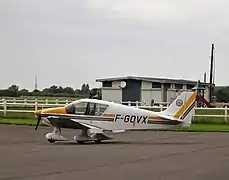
x=132, y=92
x=165, y=92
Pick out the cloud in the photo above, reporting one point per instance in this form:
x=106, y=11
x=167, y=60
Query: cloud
x=168, y=10
x=72, y=42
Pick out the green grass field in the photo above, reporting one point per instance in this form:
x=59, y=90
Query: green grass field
x=196, y=120
x=198, y=123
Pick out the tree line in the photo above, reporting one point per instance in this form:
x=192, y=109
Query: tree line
x=221, y=92
x=52, y=91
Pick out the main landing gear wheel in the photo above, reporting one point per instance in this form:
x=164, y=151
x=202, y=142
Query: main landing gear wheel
x=98, y=141
x=81, y=142
x=51, y=140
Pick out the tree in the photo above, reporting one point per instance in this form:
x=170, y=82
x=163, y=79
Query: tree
x=68, y=90
x=13, y=90
x=23, y=92
x=85, y=89
x=222, y=94
x=53, y=90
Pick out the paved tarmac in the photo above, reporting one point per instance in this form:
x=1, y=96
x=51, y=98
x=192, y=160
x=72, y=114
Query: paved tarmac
x=26, y=154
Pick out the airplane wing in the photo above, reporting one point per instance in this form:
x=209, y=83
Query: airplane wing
x=67, y=122
x=96, y=129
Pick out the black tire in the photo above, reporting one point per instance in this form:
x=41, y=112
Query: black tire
x=51, y=141
x=81, y=142
x=98, y=141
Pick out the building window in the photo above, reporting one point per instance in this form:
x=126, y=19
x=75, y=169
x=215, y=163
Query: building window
x=178, y=86
x=156, y=85
x=107, y=84
x=167, y=86
x=190, y=86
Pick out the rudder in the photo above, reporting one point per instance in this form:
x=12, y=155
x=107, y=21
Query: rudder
x=182, y=108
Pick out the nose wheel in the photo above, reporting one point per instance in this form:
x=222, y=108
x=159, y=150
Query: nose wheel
x=51, y=140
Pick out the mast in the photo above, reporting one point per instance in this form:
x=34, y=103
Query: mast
x=35, y=82
x=211, y=74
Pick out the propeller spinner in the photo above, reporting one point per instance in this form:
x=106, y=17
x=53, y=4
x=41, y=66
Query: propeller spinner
x=57, y=110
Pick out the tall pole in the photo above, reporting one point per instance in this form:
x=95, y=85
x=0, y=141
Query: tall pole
x=205, y=77
x=203, y=93
x=36, y=82
x=211, y=74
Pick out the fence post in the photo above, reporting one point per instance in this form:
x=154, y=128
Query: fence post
x=225, y=118
x=5, y=106
x=129, y=104
x=25, y=101
x=136, y=104
x=36, y=104
x=161, y=106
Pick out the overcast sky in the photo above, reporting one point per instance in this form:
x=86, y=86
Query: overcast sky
x=71, y=42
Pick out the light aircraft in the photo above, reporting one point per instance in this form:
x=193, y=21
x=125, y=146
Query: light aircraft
x=98, y=119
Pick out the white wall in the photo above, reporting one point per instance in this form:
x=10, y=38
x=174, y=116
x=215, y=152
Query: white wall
x=116, y=84
x=112, y=94
x=172, y=94
x=148, y=93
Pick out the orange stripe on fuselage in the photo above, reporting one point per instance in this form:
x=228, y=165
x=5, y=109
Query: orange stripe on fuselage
x=153, y=118
x=150, y=118
x=109, y=115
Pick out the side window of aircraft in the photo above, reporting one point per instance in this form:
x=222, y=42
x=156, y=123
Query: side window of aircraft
x=80, y=108
x=86, y=108
x=95, y=109
x=101, y=108
x=91, y=109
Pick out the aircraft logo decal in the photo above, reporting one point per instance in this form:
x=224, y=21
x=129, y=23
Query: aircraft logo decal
x=179, y=102
x=131, y=118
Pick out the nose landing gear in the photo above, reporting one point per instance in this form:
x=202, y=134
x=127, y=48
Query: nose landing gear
x=55, y=136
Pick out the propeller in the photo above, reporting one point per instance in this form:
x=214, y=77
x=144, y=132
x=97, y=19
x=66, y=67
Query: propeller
x=38, y=122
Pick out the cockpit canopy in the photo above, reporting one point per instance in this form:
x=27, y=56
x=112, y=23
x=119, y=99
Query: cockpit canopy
x=86, y=108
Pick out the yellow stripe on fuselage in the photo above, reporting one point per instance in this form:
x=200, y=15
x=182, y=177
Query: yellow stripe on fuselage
x=186, y=105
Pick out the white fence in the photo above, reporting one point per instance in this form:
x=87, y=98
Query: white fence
x=7, y=105
x=58, y=101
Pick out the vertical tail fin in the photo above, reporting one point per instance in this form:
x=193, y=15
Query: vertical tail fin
x=182, y=108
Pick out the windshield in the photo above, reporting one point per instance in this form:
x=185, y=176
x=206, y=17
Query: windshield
x=86, y=108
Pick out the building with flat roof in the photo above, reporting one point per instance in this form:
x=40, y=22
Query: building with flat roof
x=145, y=89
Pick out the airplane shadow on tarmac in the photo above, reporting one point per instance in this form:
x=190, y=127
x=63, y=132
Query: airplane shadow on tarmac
x=127, y=143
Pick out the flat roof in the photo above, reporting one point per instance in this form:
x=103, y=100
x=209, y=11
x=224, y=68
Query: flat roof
x=151, y=79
